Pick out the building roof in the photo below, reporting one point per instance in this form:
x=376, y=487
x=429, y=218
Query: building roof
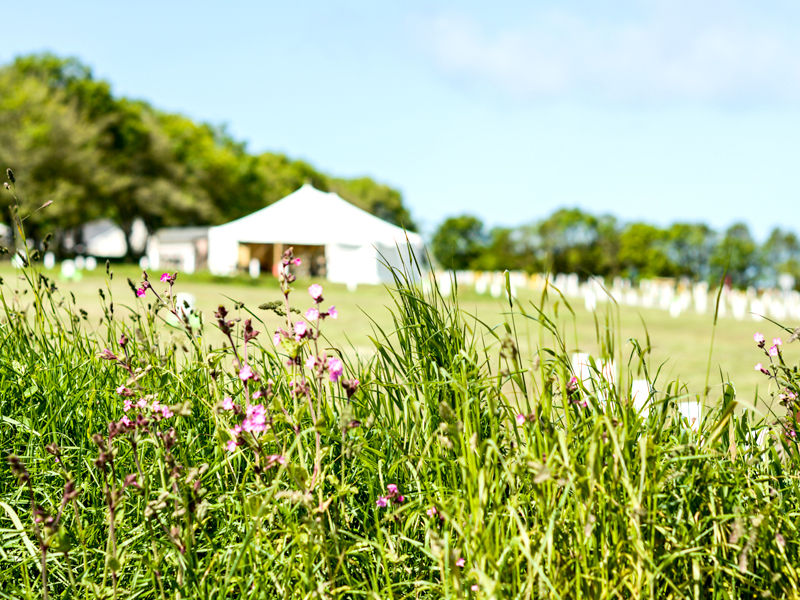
x=311, y=217
x=180, y=234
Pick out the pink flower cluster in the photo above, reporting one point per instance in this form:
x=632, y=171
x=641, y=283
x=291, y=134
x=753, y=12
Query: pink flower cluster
x=522, y=419
x=392, y=496
x=255, y=419
x=773, y=351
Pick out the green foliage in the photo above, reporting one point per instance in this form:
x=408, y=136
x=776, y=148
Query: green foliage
x=643, y=252
x=459, y=242
x=97, y=155
x=517, y=480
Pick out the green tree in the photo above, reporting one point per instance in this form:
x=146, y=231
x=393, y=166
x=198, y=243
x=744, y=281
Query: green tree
x=738, y=251
x=780, y=254
x=573, y=241
x=459, y=242
x=690, y=246
x=643, y=252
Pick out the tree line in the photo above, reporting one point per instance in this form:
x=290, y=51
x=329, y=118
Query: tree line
x=575, y=241
x=72, y=141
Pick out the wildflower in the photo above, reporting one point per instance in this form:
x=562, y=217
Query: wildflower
x=773, y=351
x=758, y=338
x=231, y=445
x=166, y=412
x=142, y=403
x=246, y=373
x=382, y=502
x=125, y=421
x=127, y=405
x=777, y=341
x=315, y=291
x=227, y=403
x=312, y=314
x=300, y=330
x=130, y=480
x=460, y=562
x=276, y=339
x=310, y=362
x=123, y=340
x=520, y=419
x=336, y=368
x=760, y=367
x=141, y=292
x=235, y=431
x=123, y=391
x=166, y=278
x=275, y=459
x=297, y=262
x=333, y=313
x=392, y=488
x=431, y=512
x=107, y=354
x=256, y=419
x=474, y=587
x=350, y=386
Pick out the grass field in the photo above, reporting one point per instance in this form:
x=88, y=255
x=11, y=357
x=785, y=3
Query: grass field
x=428, y=469
x=681, y=345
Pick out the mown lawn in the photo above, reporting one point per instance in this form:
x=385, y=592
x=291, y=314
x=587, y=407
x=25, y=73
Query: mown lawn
x=681, y=345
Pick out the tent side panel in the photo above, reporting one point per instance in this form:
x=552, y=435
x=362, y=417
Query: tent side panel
x=390, y=256
x=223, y=251
x=351, y=263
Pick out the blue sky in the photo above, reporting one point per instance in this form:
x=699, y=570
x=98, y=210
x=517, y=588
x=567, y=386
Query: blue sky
x=660, y=111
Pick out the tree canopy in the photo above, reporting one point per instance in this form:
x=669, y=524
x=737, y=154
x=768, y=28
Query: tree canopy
x=574, y=241
x=93, y=154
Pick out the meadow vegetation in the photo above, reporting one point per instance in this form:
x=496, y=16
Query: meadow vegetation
x=160, y=455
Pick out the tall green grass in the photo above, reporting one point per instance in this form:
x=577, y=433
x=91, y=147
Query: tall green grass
x=517, y=481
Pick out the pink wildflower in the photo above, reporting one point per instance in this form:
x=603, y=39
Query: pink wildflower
x=760, y=367
x=460, y=562
x=336, y=368
x=758, y=337
x=401, y=498
x=235, y=431
x=431, y=511
x=276, y=339
x=333, y=313
x=156, y=406
x=227, y=403
x=297, y=262
x=315, y=291
x=392, y=488
x=312, y=314
x=256, y=419
x=520, y=419
x=300, y=329
x=773, y=351
x=123, y=391
x=166, y=412
x=777, y=341
x=246, y=373
x=127, y=405
x=142, y=403
x=310, y=362
x=141, y=292
x=474, y=587
x=275, y=459
x=125, y=421
x=165, y=277
x=382, y=502
x=231, y=445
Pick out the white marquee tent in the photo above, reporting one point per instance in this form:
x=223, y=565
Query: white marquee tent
x=325, y=230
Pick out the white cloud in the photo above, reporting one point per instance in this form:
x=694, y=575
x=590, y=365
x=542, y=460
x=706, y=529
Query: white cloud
x=665, y=51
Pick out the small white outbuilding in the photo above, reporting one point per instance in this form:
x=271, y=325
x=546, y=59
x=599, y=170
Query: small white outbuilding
x=333, y=238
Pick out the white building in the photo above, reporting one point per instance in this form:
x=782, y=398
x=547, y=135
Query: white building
x=183, y=249
x=333, y=238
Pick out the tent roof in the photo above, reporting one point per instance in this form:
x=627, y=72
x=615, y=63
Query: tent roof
x=311, y=217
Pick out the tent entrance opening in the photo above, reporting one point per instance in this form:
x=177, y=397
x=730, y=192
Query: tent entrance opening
x=312, y=258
